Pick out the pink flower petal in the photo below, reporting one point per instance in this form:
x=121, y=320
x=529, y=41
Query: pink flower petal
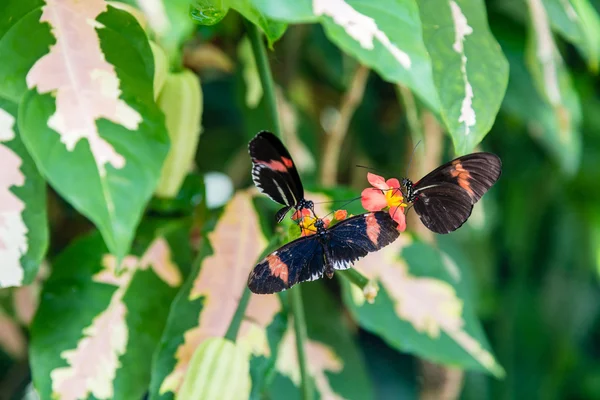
x=376, y=181
x=397, y=214
x=373, y=200
x=393, y=183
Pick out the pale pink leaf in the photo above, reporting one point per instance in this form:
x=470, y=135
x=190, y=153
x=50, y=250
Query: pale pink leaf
x=237, y=242
x=84, y=84
x=105, y=340
x=430, y=305
x=13, y=232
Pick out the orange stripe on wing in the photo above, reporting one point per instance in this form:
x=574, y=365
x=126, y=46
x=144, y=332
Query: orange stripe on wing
x=287, y=162
x=274, y=165
x=463, y=177
x=373, y=228
x=278, y=268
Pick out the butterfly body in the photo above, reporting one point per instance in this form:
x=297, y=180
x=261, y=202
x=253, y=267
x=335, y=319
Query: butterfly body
x=274, y=174
x=444, y=198
x=329, y=249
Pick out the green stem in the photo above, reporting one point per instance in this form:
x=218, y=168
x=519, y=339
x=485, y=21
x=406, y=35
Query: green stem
x=412, y=113
x=238, y=317
x=264, y=70
x=355, y=277
x=266, y=79
x=301, y=337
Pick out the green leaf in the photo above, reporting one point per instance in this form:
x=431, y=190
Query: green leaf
x=551, y=103
x=209, y=12
x=469, y=70
x=109, y=176
x=24, y=32
x=88, y=312
x=578, y=22
x=384, y=35
x=23, y=220
x=207, y=302
x=423, y=306
x=333, y=358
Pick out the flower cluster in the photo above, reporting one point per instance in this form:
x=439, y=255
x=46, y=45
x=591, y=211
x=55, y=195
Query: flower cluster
x=306, y=220
x=385, y=195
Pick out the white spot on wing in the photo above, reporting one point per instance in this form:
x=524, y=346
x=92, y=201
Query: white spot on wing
x=358, y=26
x=462, y=30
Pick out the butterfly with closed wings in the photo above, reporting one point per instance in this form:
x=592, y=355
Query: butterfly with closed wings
x=274, y=174
x=329, y=249
x=444, y=198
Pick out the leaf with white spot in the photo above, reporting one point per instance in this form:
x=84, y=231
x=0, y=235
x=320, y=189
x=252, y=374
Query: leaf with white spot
x=23, y=222
x=548, y=103
x=422, y=306
x=209, y=299
x=90, y=312
x=89, y=119
x=469, y=70
x=333, y=359
x=578, y=22
x=383, y=34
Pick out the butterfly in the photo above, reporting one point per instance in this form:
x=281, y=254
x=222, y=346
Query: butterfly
x=275, y=175
x=444, y=198
x=329, y=249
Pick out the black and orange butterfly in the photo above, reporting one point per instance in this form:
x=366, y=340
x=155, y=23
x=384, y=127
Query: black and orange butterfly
x=329, y=249
x=274, y=174
x=444, y=198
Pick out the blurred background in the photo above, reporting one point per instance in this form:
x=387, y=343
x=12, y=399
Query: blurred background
x=533, y=243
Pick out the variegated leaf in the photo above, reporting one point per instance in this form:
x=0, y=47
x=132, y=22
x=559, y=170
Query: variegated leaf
x=96, y=328
x=89, y=104
x=469, y=70
x=206, y=304
x=23, y=222
x=422, y=306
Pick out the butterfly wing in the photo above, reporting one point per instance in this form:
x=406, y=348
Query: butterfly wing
x=443, y=207
x=474, y=173
x=298, y=261
x=357, y=236
x=273, y=170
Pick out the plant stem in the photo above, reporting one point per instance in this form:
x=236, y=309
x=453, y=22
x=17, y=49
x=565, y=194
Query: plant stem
x=349, y=103
x=266, y=78
x=355, y=277
x=236, y=321
x=300, y=327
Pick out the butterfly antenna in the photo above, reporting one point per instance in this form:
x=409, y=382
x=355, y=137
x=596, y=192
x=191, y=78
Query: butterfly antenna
x=342, y=206
x=371, y=168
x=338, y=201
x=411, y=158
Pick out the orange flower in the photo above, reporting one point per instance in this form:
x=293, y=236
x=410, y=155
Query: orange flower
x=303, y=212
x=385, y=195
x=340, y=215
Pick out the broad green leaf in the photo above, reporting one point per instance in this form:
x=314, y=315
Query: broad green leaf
x=209, y=12
x=578, y=22
x=96, y=328
x=95, y=133
x=469, y=70
x=209, y=299
x=334, y=362
x=559, y=131
x=23, y=222
x=423, y=306
x=384, y=35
